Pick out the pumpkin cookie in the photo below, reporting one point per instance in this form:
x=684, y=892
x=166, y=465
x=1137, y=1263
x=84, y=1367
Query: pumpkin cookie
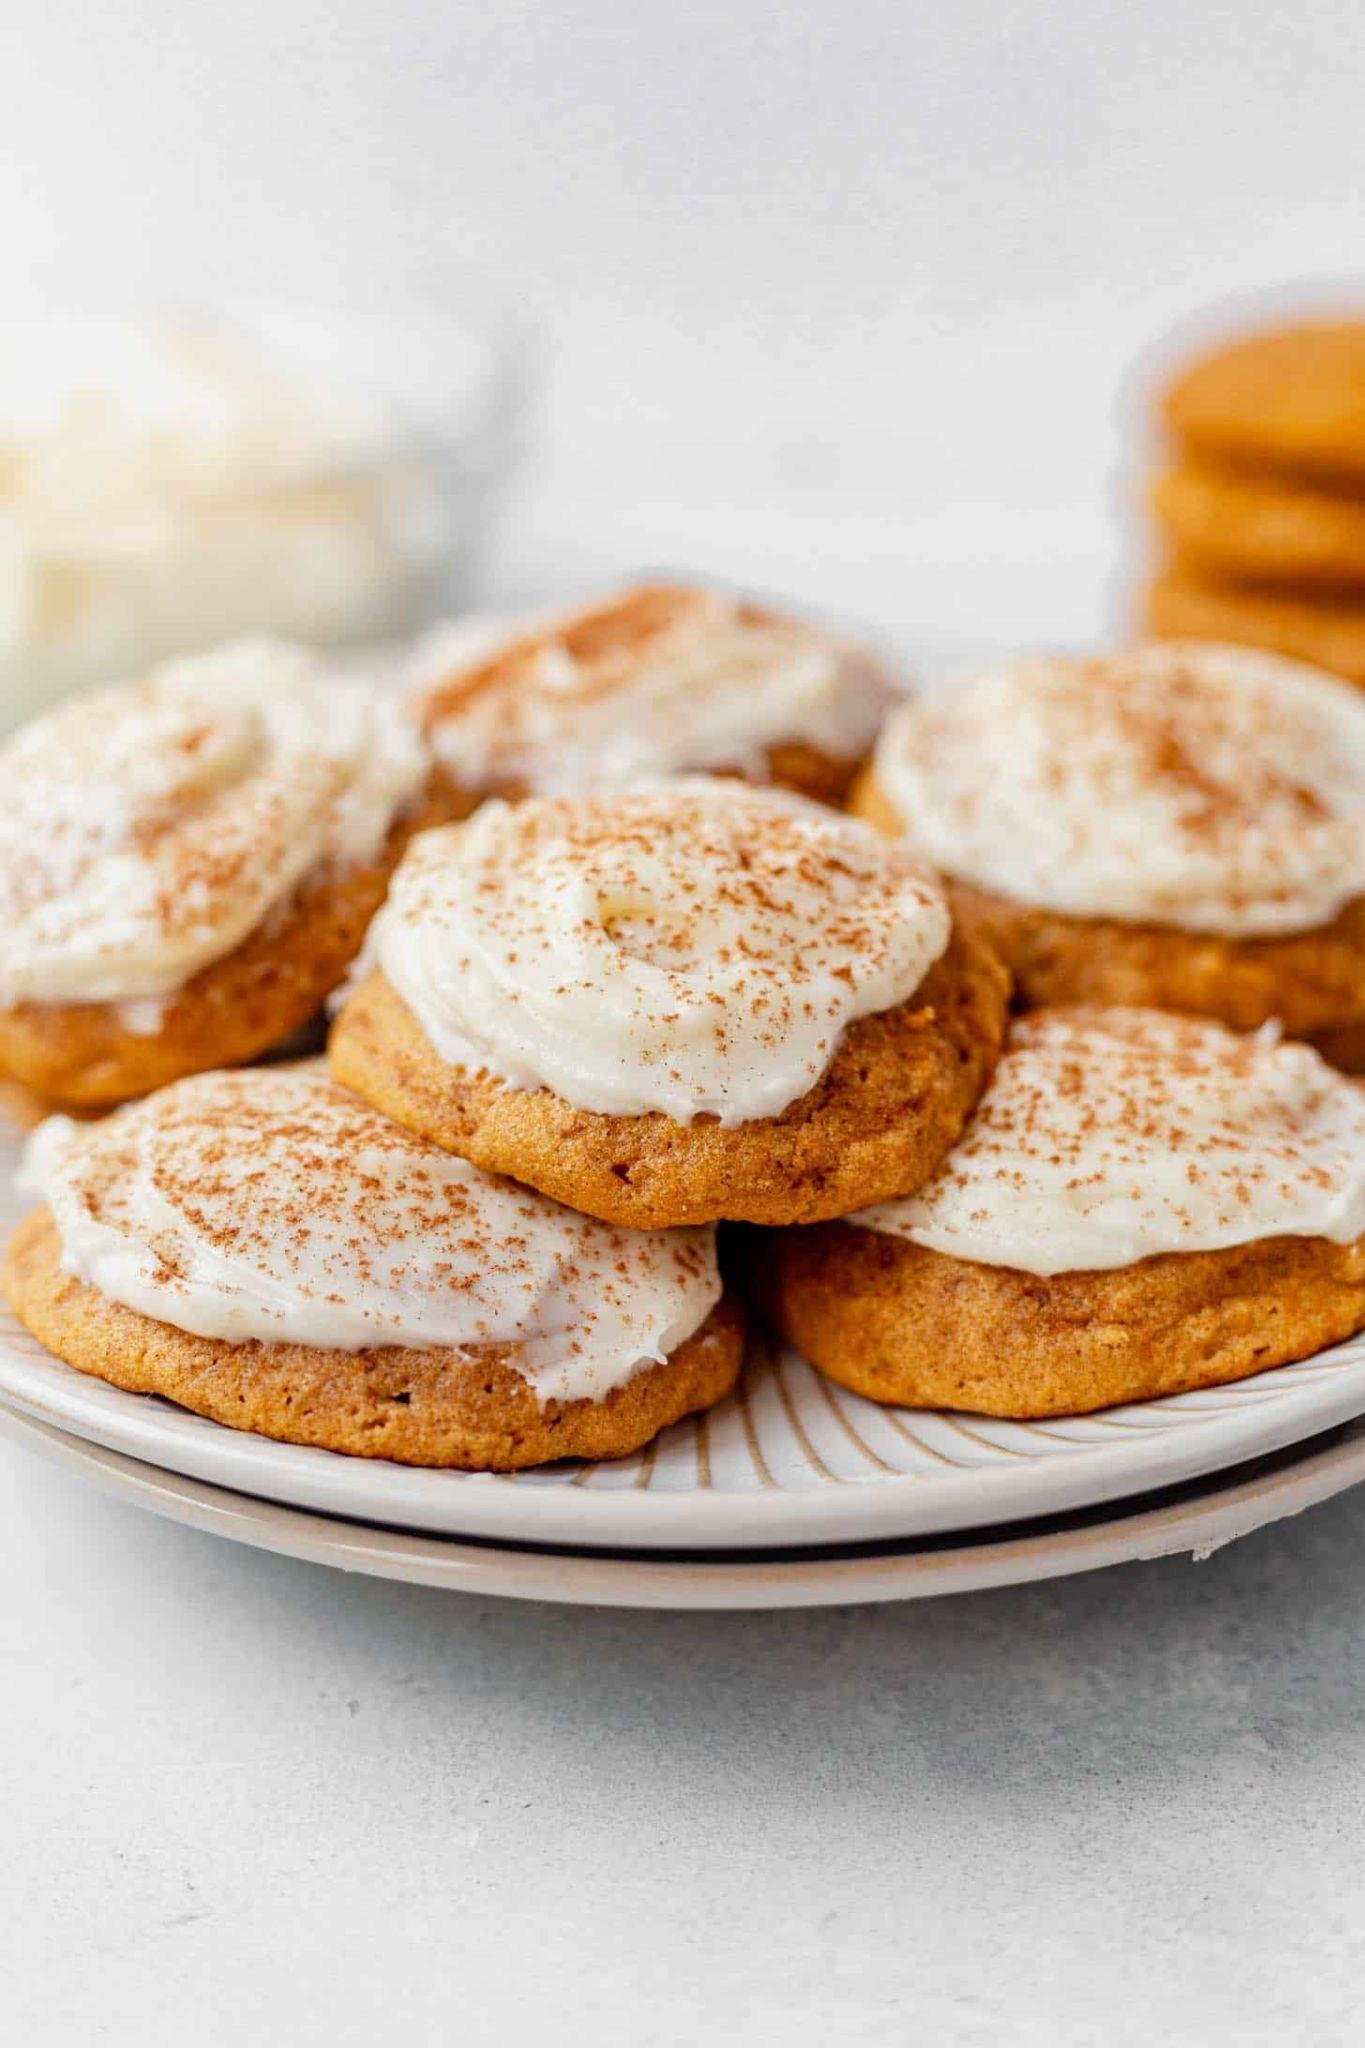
x=189, y=864
x=1178, y=827
x=1261, y=530
x=1327, y=632
x=264, y=1249
x=697, y=1001
x=1290, y=399
x=22, y=1107
x=1142, y=1204
x=657, y=679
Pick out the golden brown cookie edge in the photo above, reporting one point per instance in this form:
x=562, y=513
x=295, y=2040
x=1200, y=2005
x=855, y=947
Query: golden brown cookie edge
x=895, y=1098
x=910, y=1327
x=413, y=1406
x=1311, y=983
x=1182, y=604
x=82, y=1056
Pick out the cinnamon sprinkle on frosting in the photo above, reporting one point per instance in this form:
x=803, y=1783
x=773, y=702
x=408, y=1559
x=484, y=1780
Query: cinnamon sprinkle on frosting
x=148, y=827
x=657, y=679
x=1107, y=1136
x=693, y=947
x=1207, y=788
x=271, y=1205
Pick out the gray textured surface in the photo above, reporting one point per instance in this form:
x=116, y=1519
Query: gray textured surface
x=248, y=1799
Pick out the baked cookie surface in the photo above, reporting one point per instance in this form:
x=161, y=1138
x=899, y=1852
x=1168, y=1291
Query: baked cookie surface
x=899, y=1323
x=1261, y=530
x=1311, y=983
x=1288, y=398
x=1328, y=631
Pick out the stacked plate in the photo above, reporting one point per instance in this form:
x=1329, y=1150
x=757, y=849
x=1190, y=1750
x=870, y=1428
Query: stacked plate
x=791, y=1493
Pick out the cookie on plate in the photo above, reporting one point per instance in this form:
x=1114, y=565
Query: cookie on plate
x=1229, y=526
x=654, y=680
x=264, y=1249
x=188, y=865
x=1324, y=630
x=1289, y=399
x=1142, y=1204
x=698, y=1000
x=1177, y=826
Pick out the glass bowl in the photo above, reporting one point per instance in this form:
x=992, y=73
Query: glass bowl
x=165, y=484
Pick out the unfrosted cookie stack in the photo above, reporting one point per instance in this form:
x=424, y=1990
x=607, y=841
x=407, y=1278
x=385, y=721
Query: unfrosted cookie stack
x=1261, y=509
x=611, y=1008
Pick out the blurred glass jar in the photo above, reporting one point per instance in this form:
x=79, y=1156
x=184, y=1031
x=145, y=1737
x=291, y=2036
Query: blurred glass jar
x=167, y=484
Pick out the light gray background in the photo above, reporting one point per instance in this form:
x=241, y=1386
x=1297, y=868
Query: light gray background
x=835, y=298
x=248, y=1800
x=838, y=293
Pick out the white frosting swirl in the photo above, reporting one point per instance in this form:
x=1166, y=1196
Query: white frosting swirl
x=271, y=1205
x=1209, y=788
x=695, y=947
x=1107, y=1136
x=149, y=827
x=648, y=683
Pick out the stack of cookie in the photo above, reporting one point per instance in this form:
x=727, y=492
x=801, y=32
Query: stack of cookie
x=615, y=1008
x=1261, y=511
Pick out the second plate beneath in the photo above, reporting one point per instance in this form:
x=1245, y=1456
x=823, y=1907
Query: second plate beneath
x=1198, y=1517
x=789, y=1460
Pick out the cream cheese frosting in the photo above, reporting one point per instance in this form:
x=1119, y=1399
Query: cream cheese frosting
x=652, y=682
x=695, y=947
x=147, y=828
x=1107, y=1136
x=271, y=1205
x=1214, y=789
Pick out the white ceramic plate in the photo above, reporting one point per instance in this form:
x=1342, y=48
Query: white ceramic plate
x=790, y=1460
x=1204, y=1516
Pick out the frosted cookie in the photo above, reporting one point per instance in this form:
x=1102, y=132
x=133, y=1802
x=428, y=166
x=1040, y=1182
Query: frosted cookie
x=1290, y=399
x=188, y=865
x=655, y=680
x=1142, y=1204
x=695, y=1001
x=1262, y=530
x=1327, y=631
x=1180, y=826
x=263, y=1248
